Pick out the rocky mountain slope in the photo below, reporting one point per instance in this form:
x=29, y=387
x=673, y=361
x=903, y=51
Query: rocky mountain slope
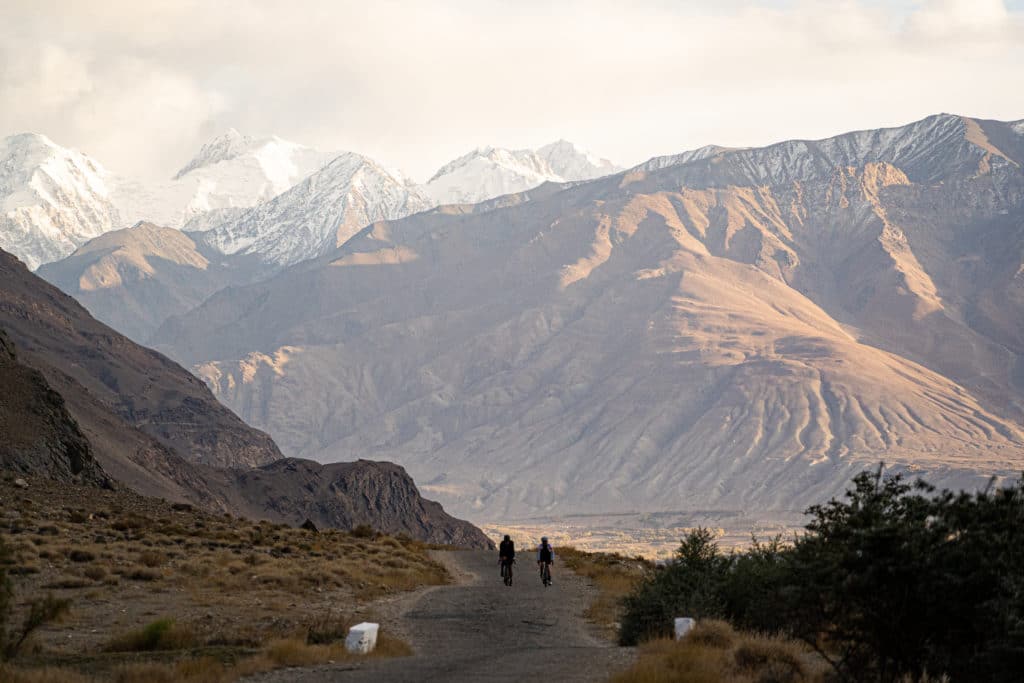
x=134, y=279
x=489, y=172
x=345, y=495
x=233, y=171
x=319, y=213
x=52, y=199
x=54, y=334
x=82, y=403
x=739, y=330
x=39, y=436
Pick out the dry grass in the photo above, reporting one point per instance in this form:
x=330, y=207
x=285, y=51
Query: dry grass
x=278, y=653
x=235, y=586
x=613, y=575
x=715, y=653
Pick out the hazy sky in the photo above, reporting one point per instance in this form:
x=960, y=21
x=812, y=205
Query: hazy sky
x=140, y=85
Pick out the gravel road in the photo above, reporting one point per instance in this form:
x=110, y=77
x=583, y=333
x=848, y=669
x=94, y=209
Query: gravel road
x=480, y=630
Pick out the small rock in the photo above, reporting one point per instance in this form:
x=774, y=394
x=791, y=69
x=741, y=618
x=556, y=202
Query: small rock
x=21, y=483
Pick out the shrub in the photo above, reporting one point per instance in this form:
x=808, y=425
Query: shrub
x=363, y=531
x=77, y=517
x=894, y=580
x=777, y=657
x=40, y=612
x=326, y=630
x=95, y=573
x=140, y=574
x=68, y=582
x=78, y=555
x=690, y=586
x=152, y=558
x=713, y=633
x=296, y=652
x=163, y=634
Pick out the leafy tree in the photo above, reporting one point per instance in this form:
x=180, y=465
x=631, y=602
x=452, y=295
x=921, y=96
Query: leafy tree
x=892, y=580
x=687, y=587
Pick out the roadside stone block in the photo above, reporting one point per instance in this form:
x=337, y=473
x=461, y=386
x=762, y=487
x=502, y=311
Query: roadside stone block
x=683, y=626
x=362, y=638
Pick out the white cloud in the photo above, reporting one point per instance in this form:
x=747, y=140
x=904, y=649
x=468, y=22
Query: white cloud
x=963, y=20
x=140, y=85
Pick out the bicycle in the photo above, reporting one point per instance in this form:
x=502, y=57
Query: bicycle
x=545, y=573
x=506, y=571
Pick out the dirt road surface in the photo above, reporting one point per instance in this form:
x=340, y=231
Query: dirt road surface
x=480, y=630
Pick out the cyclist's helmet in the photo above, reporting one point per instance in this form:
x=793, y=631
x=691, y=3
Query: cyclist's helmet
x=507, y=537
x=543, y=539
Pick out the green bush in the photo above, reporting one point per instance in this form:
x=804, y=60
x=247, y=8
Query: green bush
x=894, y=580
x=162, y=634
x=690, y=586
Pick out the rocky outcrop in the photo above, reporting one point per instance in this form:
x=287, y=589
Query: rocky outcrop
x=345, y=495
x=38, y=434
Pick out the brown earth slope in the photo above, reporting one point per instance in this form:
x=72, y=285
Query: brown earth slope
x=742, y=330
x=144, y=388
x=134, y=279
x=37, y=435
x=145, y=420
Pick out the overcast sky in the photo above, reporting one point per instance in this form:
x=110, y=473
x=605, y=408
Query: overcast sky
x=141, y=85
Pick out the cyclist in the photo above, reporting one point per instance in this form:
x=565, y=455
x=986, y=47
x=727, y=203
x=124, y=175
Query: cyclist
x=506, y=556
x=545, y=558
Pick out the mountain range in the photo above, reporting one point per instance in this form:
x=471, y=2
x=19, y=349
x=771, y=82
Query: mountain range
x=732, y=329
x=488, y=172
x=724, y=328
x=277, y=200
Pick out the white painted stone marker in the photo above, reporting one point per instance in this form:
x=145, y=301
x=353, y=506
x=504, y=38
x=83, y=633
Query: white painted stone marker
x=683, y=626
x=362, y=638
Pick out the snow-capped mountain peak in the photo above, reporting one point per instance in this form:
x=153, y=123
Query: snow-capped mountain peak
x=320, y=212
x=488, y=172
x=686, y=157
x=926, y=151
x=230, y=145
x=29, y=157
x=53, y=199
x=573, y=163
x=229, y=172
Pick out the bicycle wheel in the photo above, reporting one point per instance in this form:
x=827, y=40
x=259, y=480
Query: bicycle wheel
x=506, y=573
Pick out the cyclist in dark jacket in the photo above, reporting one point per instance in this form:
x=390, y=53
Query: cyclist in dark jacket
x=545, y=555
x=506, y=556
x=507, y=549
